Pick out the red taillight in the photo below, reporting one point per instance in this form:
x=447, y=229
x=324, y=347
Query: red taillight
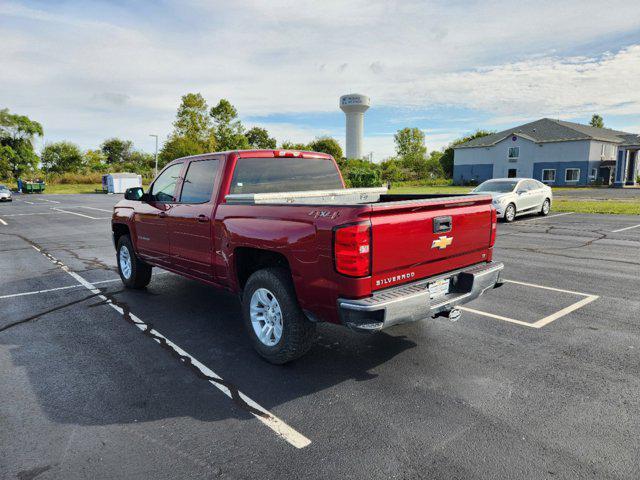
x=352, y=250
x=494, y=226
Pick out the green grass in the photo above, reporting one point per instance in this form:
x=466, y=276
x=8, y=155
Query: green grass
x=615, y=207
x=77, y=188
x=73, y=188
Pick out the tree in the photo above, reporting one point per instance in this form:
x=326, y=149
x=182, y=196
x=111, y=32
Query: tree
x=596, y=121
x=192, y=119
x=17, y=133
x=193, y=132
x=94, y=161
x=259, y=138
x=228, y=130
x=178, y=147
x=61, y=157
x=446, y=160
x=287, y=145
x=328, y=145
x=410, y=146
x=116, y=150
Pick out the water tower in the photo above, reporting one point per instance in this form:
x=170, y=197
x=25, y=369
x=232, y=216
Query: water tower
x=354, y=105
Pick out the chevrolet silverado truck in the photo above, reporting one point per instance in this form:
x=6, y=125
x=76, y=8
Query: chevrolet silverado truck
x=280, y=229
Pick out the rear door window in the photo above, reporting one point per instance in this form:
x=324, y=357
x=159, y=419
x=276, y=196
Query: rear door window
x=198, y=182
x=284, y=174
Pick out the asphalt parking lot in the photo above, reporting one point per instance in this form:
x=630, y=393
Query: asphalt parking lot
x=538, y=379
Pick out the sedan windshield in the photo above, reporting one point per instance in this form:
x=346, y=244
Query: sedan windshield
x=500, y=187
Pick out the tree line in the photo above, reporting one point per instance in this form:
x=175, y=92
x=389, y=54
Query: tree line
x=198, y=129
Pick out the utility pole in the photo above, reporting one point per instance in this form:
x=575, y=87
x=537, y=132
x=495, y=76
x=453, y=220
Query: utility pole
x=156, y=137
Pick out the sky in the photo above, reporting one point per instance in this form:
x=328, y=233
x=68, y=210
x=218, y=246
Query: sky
x=93, y=70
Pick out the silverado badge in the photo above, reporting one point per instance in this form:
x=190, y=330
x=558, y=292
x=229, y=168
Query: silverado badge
x=442, y=242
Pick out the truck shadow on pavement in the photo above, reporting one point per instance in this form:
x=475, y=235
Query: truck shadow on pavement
x=87, y=365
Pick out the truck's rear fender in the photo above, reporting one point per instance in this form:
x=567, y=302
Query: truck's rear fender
x=248, y=244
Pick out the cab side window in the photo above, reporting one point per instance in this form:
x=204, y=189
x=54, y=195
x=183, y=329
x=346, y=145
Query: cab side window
x=531, y=185
x=164, y=187
x=198, y=182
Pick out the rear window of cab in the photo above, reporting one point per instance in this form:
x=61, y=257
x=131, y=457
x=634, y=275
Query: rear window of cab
x=284, y=174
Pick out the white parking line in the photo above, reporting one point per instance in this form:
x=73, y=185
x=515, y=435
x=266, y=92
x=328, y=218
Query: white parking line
x=94, y=208
x=36, y=292
x=27, y=214
x=79, y=214
x=3, y=222
x=279, y=427
x=543, y=321
x=626, y=228
x=100, y=282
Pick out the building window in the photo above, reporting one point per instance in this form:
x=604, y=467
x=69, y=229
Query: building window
x=514, y=153
x=594, y=172
x=549, y=175
x=603, y=151
x=512, y=173
x=572, y=175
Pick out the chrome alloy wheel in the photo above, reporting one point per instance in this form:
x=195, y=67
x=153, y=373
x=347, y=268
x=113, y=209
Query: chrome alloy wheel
x=125, y=262
x=510, y=213
x=546, y=207
x=266, y=317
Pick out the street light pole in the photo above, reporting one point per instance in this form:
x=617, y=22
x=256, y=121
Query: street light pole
x=156, y=136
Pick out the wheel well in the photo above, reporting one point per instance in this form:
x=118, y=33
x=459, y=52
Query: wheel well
x=250, y=260
x=119, y=230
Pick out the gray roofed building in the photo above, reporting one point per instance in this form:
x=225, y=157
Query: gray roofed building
x=556, y=152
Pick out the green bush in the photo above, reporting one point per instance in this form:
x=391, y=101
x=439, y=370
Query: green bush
x=362, y=178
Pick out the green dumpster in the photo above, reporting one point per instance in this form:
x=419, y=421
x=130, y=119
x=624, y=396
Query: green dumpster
x=33, y=187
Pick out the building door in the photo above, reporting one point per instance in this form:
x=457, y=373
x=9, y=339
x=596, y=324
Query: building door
x=512, y=173
x=604, y=175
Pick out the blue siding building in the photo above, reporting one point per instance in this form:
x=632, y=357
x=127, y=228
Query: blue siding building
x=553, y=151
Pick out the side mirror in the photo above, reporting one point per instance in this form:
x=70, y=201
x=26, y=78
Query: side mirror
x=135, y=193
x=520, y=192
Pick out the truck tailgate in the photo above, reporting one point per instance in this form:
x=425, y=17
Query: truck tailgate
x=414, y=239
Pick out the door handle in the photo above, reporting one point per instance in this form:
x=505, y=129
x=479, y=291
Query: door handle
x=203, y=218
x=162, y=214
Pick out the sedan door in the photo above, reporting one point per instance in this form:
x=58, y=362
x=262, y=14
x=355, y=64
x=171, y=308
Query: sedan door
x=190, y=220
x=152, y=238
x=536, y=194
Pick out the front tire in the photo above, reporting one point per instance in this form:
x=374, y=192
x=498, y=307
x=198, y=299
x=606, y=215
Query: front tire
x=510, y=213
x=546, y=207
x=278, y=328
x=134, y=273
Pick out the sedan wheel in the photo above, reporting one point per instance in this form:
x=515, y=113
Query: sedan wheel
x=510, y=213
x=546, y=207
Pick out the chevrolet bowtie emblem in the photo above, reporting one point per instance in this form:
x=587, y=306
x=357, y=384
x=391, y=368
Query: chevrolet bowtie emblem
x=442, y=242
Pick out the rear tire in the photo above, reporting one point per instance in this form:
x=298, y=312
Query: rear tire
x=510, y=213
x=134, y=273
x=546, y=207
x=278, y=328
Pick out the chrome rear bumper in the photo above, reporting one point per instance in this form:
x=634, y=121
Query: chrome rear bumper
x=412, y=302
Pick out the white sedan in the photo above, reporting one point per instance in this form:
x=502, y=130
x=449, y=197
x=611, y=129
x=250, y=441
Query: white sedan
x=517, y=196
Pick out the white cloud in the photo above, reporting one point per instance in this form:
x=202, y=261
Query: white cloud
x=91, y=72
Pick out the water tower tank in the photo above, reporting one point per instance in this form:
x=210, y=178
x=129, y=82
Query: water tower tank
x=354, y=105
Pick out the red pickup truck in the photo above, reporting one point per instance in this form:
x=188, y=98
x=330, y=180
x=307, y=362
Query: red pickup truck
x=280, y=229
